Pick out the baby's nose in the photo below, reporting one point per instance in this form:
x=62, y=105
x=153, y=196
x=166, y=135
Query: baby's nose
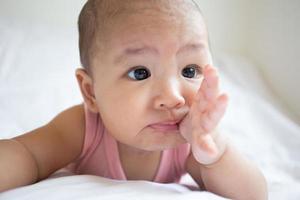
x=168, y=94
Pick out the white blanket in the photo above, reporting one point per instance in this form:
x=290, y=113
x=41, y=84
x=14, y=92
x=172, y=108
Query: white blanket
x=37, y=81
x=87, y=187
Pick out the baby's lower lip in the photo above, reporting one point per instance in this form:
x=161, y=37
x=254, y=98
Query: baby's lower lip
x=165, y=127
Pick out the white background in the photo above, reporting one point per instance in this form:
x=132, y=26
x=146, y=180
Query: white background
x=266, y=32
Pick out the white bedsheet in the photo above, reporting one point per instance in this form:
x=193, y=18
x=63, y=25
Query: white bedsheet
x=93, y=187
x=37, y=81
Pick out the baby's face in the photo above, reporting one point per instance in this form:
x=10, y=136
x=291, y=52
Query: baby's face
x=149, y=72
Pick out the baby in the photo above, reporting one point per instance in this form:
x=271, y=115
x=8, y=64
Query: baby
x=151, y=106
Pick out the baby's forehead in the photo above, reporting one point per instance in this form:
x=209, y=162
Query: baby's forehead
x=110, y=9
x=114, y=13
x=100, y=20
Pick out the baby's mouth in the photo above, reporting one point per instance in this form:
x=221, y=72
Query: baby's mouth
x=166, y=126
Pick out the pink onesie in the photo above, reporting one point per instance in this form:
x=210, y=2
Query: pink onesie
x=100, y=155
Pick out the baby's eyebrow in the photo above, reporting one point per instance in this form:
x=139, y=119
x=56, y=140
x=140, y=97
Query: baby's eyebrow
x=190, y=47
x=132, y=51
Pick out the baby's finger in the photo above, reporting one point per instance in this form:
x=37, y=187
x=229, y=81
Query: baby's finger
x=201, y=101
x=208, y=90
x=220, y=107
x=210, y=85
x=213, y=117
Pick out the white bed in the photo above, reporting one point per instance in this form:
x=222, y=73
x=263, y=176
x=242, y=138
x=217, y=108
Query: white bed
x=37, y=81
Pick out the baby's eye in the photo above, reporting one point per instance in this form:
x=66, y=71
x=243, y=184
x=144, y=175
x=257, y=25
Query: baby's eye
x=192, y=71
x=139, y=73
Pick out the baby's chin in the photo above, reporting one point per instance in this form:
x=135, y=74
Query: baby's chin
x=161, y=143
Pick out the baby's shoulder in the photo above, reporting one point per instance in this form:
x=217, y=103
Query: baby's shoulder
x=71, y=118
x=71, y=123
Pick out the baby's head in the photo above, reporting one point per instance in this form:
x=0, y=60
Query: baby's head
x=143, y=63
x=98, y=17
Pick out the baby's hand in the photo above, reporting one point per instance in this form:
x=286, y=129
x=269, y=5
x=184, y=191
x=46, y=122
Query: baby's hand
x=199, y=126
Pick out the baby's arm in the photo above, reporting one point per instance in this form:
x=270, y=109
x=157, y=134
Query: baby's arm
x=214, y=163
x=35, y=155
x=232, y=176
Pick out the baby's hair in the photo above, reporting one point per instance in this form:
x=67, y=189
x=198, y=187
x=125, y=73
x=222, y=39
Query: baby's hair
x=93, y=18
x=87, y=24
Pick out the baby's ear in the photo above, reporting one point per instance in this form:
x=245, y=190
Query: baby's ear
x=86, y=87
